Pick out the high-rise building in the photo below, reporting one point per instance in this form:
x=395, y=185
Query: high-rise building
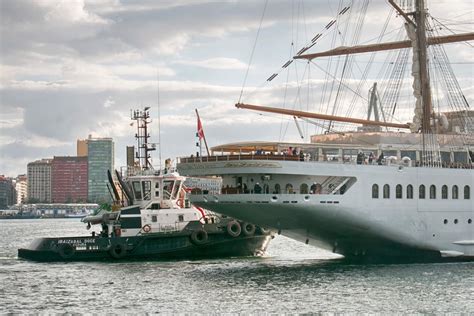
x=69, y=180
x=82, y=147
x=21, y=186
x=100, y=159
x=39, y=181
x=7, y=192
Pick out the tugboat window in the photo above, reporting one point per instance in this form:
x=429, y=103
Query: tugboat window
x=146, y=186
x=289, y=188
x=386, y=191
x=181, y=218
x=137, y=191
x=444, y=192
x=432, y=192
x=154, y=218
x=375, y=191
x=409, y=191
x=455, y=192
x=467, y=192
x=398, y=191
x=167, y=187
x=421, y=192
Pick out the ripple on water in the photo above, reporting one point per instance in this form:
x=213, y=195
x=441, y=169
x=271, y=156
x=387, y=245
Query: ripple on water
x=294, y=278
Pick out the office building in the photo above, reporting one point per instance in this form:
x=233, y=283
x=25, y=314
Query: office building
x=39, y=181
x=7, y=192
x=69, y=180
x=21, y=187
x=100, y=160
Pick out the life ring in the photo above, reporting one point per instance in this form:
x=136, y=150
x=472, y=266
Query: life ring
x=66, y=251
x=146, y=228
x=199, y=237
x=117, y=251
x=234, y=229
x=248, y=229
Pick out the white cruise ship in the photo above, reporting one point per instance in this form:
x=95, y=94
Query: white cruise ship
x=367, y=194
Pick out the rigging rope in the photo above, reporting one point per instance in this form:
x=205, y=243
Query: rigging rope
x=253, y=50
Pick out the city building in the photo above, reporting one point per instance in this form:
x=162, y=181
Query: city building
x=39, y=181
x=69, y=180
x=82, y=147
x=7, y=192
x=21, y=187
x=100, y=159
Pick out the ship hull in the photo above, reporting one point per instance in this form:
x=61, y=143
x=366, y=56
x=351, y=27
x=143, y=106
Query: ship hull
x=151, y=247
x=354, y=223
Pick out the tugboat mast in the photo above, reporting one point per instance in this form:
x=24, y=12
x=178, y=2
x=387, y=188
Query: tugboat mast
x=143, y=147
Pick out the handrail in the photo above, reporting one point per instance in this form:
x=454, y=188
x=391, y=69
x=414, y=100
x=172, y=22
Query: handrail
x=267, y=157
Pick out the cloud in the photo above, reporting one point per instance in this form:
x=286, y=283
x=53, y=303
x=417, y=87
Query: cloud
x=219, y=63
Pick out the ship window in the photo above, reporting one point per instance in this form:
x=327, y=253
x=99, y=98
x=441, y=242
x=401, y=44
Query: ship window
x=386, y=191
x=398, y=191
x=289, y=188
x=303, y=188
x=375, y=191
x=409, y=191
x=467, y=192
x=167, y=187
x=277, y=189
x=432, y=192
x=137, y=191
x=455, y=192
x=146, y=186
x=157, y=193
x=181, y=218
x=444, y=192
x=176, y=187
x=421, y=192
x=154, y=218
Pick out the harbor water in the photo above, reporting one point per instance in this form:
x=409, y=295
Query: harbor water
x=291, y=278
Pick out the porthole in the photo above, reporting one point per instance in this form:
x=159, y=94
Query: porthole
x=306, y=198
x=274, y=198
x=456, y=221
x=445, y=221
x=469, y=221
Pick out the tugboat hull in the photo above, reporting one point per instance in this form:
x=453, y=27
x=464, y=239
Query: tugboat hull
x=161, y=246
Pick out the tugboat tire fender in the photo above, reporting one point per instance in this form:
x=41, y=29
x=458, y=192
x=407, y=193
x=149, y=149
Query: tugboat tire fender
x=118, y=251
x=66, y=251
x=248, y=229
x=234, y=229
x=199, y=237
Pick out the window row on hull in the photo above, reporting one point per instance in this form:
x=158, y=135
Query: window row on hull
x=399, y=192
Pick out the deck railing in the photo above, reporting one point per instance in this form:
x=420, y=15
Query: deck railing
x=352, y=160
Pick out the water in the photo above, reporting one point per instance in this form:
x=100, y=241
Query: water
x=293, y=278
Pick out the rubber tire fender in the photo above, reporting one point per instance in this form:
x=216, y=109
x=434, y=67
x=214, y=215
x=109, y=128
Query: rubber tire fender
x=117, y=250
x=199, y=237
x=233, y=228
x=248, y=229
x=66, y=251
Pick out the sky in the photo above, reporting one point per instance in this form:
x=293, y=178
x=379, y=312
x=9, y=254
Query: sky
x=73, y=68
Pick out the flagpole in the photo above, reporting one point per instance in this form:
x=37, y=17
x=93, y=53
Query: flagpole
x=203, y=136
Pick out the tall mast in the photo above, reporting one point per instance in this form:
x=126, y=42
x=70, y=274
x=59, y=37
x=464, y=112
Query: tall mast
x=420, y=19
x=143, y=119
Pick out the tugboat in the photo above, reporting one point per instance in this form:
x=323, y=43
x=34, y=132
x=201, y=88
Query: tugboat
x=153, y=221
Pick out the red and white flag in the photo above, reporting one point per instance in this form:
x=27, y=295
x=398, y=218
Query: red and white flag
x=200, y=131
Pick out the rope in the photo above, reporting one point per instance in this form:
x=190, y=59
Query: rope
x=253, y=50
